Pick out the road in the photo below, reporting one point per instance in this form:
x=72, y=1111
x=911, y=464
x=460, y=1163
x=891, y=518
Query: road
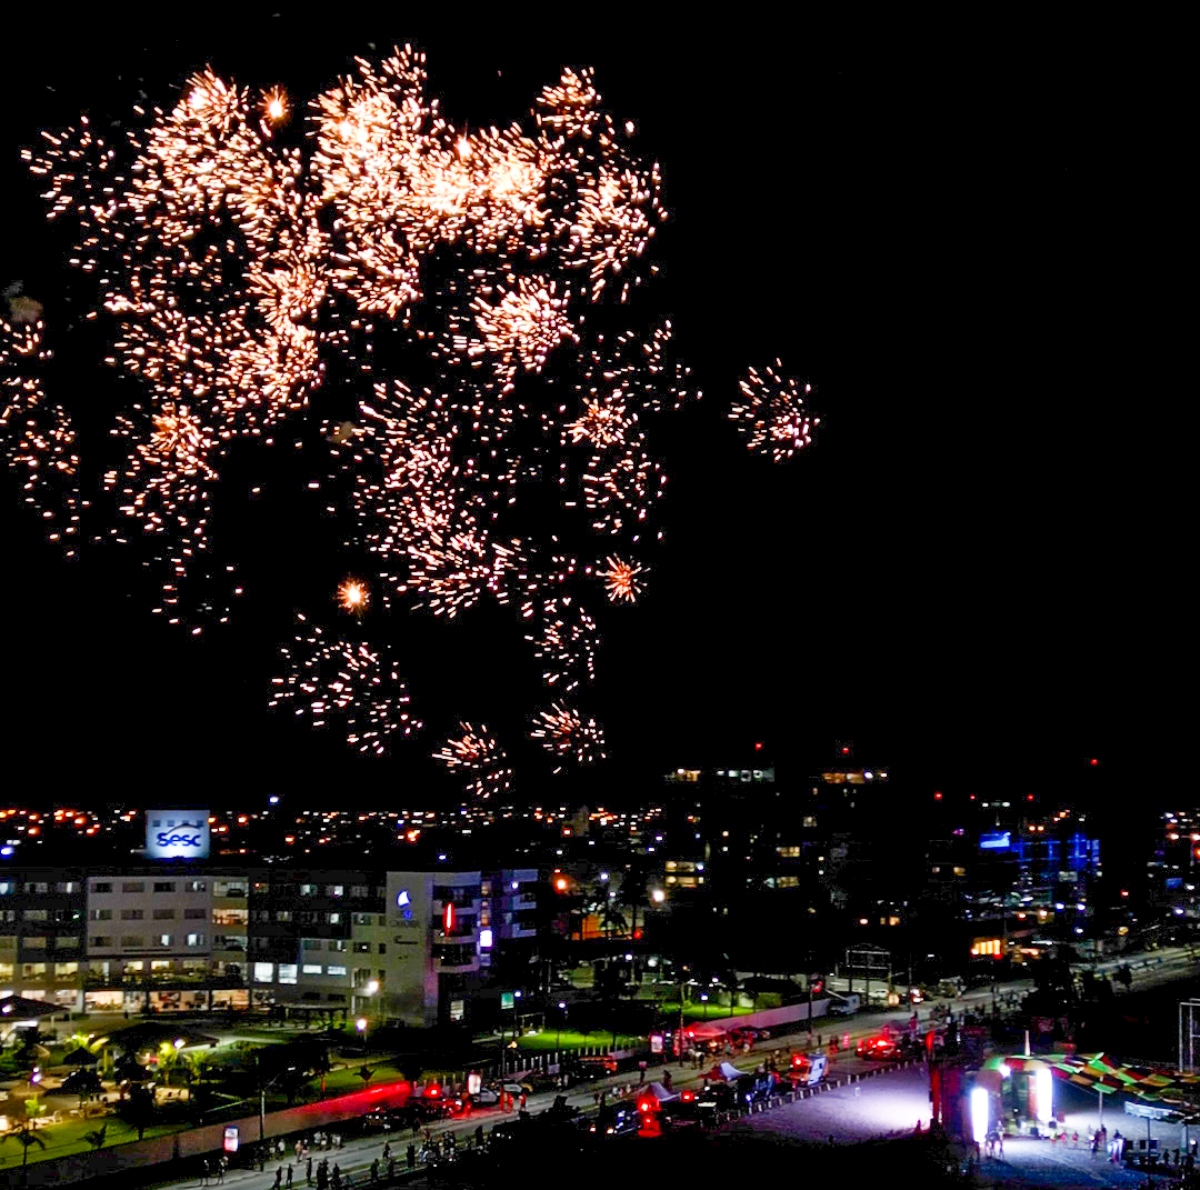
x=357, y=1154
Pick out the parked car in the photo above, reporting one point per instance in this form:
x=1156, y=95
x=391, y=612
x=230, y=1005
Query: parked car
x=619, y=1119
x=592, y=1068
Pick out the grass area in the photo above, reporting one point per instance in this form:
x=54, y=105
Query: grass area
x=67, y=1138
x=549, y=1039
x=701, y=1012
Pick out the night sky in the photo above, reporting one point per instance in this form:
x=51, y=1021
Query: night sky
x=974, y=575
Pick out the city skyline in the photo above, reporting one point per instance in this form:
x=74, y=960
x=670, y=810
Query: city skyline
x=940, y=577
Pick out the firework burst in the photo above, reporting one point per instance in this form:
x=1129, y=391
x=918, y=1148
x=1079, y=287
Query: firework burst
x=566, y=735
x=242, y=274
x=772, y=414
x=476, y=754
x=622, y=580
x=331, y=678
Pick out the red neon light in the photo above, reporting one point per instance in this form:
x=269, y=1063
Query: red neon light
x=448, y=917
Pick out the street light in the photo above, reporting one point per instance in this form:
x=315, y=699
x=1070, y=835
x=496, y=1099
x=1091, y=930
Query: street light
x=704, y=1001
x=562, y=1013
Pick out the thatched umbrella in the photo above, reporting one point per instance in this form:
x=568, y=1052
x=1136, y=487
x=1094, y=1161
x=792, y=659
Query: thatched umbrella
x=81, y=1057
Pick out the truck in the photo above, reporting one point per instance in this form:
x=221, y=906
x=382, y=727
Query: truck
x=846, y=1005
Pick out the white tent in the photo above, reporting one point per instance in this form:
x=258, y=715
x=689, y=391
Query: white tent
x=661, y=1093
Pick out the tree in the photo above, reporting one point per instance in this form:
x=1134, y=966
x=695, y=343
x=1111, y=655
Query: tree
x=365, y=1072
x=26, y=1138
x=24, y=1134
x=96, y=1139
x=139, y=1109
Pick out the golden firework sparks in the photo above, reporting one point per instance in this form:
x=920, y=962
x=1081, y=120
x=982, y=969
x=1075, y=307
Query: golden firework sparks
x=353, y=595
x=622, y=580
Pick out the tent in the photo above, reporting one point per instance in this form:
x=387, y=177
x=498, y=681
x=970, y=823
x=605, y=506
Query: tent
x=661, y=1093
x=725, y=1072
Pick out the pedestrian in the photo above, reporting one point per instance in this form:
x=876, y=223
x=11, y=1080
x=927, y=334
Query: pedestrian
x=391, y=1168
x=375, y=1170
x=667, y=1079
x=221, y=1170
x=410, y=1156
x=523, y=1100
x=337, y=1176
x=1000, y=1143
x=1095, y=1143
x=641, y=1072
x=287, y=1178
x=1075, y=1139
x=278, y=1178
x=308, y=1171
x=205, y=1172
x=479, y=1136
x=387, y=1149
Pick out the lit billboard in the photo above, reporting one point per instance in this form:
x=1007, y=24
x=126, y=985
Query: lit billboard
x=996, y=841
x=177, y=834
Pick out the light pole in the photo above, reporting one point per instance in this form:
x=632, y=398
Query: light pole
x=562, y=1014
x=704, y=1001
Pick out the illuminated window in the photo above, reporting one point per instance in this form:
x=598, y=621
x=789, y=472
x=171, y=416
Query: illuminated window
x=312, y=968
x=332, y=970
x=264, y=972
x=287, y=972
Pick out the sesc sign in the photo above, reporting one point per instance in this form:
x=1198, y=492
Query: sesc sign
x=177, y=834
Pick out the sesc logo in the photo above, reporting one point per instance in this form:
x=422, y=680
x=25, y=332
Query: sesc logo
x=178, y=840
x=177, y=834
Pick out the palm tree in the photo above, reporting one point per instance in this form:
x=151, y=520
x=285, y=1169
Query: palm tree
x=96, y=1138
x=365, y=1072
x=26, y=1138
x=24, y=1134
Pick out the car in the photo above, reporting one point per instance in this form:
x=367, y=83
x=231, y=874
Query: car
x=743, y=1033
x=618, y=1119
x=592, y=1068
x=877, y=1048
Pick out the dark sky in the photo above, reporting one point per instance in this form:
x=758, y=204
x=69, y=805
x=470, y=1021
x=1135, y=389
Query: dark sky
x=975, y=573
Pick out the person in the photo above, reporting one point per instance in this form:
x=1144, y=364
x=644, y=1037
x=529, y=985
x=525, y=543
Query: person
x=667, y=1079
x=337, y=1176
x=278, y=1177
x=479, y=1136
x=205, y=1172
x=391, y=1168
x=287, y=1177
x=308, y=1170
x=375, y=1170
x=410, y=1156
x=387, y=1149
x=1000, y=1143
x=641, y=1072
x=221, y=1166
x=523, y=1100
